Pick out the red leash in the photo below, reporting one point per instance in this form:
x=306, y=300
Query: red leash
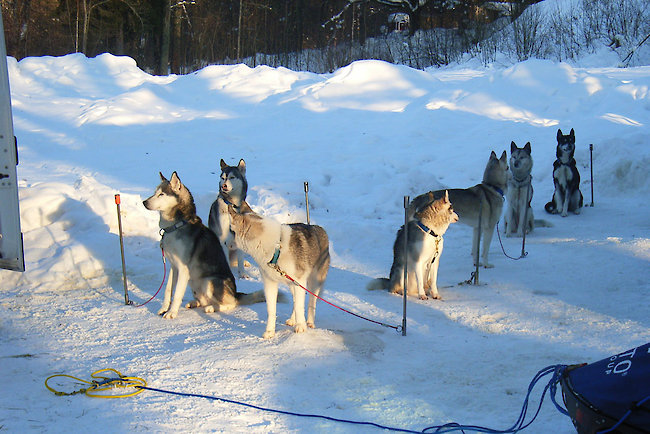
x=397, y=328
x=161, y=283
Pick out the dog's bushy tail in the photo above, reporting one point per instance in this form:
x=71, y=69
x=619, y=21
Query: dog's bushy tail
x=541, y=223
x=256, y=297
x=252, y=298
x=380, y=283
x=550, y=207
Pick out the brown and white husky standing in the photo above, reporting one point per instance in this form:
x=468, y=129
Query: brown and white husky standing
x=299, y=250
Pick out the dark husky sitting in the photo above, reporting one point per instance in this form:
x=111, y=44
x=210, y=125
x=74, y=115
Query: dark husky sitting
x=233, y=185
x=567, y=196
x=194, y=253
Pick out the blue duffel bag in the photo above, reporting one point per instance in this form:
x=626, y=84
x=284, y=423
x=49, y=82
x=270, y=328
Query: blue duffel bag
x=610, y=396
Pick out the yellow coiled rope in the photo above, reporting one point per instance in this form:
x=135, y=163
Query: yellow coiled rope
x=100, y=385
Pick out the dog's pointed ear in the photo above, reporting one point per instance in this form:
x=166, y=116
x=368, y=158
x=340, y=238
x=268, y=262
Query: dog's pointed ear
x=527, y=148
x=513, y=147
x=242, y=167
x=162, y=177
x=559, y=134
x=175, y=181
x=223, y=164
x=493, y=155
x=446, y=196
x=504, y=157
x=572, y=134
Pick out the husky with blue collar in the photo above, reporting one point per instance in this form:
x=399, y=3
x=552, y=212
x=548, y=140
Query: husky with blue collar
x=423, y=249
x=296, y=250
x=194, y=254
x=485, y=199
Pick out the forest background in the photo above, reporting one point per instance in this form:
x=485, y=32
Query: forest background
x=181, y=36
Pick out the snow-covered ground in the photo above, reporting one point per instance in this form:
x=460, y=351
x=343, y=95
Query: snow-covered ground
x=363, y=137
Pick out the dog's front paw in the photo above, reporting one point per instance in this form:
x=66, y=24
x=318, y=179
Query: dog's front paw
x=290, y=322
x=311, y=325
x=163, y=310
x=170, y=315
x=300, y=328
x=192, y=304
x=268, y=334
x=208, y=309
x=423, y=297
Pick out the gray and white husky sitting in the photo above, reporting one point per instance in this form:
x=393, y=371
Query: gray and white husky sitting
x=566, y=178
x=301, y=251
x=519, y=214
x=232, y=183
x=485, y=199
x=423, y=250
x=194, y=253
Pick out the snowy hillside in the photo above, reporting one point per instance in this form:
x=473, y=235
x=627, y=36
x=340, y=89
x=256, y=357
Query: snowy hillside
x=363, y=137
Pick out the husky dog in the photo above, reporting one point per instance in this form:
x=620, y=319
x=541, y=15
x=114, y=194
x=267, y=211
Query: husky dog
x=299, y=250
x=484, y=199
x=194, y=253
x=232, y=183
x=567, y=196
x=424, y=247
x=519, y=214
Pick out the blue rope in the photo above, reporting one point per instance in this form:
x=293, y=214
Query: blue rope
x=625, y=416
x=556, y=370
x=288, y=413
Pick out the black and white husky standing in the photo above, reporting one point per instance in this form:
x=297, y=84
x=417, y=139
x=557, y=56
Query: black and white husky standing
x=299, y=250
x=232, y=184
x=567, y=196
x=424, y=247
x=194, y=253
x=519, y=214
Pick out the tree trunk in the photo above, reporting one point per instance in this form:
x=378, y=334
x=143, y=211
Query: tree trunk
x=163, y=67
x=239, y=29
x=84, y=32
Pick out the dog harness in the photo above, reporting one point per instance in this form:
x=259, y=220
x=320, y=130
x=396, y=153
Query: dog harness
x=273, y=263
x=522, y=182
x=276, y=255
x=172, y=228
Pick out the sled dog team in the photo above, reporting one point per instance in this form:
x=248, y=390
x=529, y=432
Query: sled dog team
x=202, y=257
